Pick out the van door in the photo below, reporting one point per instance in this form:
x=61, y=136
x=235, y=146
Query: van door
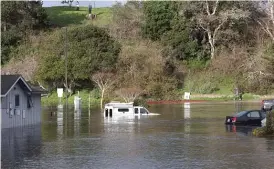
x=136, y=110
x=106, y=112
x=110, y=112
x=143, y=111
x=254, y=118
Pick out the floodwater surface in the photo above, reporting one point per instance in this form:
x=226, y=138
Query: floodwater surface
x=182, y=136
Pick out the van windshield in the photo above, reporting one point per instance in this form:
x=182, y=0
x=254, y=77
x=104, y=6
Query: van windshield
x=143, y=111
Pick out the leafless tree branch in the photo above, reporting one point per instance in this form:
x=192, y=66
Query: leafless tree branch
x=129, y=94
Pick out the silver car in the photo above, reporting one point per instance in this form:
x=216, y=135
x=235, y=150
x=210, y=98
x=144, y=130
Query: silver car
x=268, y=104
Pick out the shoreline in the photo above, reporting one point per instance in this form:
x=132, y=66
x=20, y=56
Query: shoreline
x=153, y=102
x=52, y=99
x=219, y=98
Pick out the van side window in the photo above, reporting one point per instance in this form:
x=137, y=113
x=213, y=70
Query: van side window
x=123, y=110
x=136, y=110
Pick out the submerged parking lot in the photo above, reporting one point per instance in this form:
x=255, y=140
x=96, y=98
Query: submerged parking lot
x=182, y=136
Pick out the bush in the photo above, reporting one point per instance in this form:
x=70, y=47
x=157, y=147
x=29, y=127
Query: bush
x=269, y=126
x=140, y=102
x=52, y=99
x=95, y=93
x=268, y=129
x=201, y=84
x=10, y=39
x=208, y=88
x=197, y=64
x=258, y=132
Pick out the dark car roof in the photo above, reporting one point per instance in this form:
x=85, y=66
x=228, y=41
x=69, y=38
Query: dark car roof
x=245, y=111
x=253, y=110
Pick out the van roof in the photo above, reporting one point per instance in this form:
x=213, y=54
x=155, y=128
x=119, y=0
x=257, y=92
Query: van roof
x=115, y=102
x=118, y=104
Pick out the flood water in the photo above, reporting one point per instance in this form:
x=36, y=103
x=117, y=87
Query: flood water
x=180, y=137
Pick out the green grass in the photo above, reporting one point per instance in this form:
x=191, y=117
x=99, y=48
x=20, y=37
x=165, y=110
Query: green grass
x=53, y=99
x=246, y=97
x=65, y=16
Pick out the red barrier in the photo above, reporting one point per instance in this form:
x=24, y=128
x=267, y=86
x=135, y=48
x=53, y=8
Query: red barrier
x=174, y=101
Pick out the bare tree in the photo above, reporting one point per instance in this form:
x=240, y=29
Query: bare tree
x=126, y=20
x=267, y=21
x=104, y=81
x=212, y=20
x=129, y=94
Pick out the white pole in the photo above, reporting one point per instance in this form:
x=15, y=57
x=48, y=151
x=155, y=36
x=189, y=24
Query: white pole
x=89, y=100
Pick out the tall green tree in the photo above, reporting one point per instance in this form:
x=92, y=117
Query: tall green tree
x=89, y=49
x=23, y=15
x=17, y=19
x=9, y=40
x=269, y=56
x=183, y=41
x=157, y=18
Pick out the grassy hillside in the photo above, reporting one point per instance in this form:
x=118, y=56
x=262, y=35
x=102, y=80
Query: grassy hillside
x=68, y=16
x=198, y=83
x=59, y=16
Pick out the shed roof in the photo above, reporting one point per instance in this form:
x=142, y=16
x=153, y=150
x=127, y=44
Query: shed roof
x=37, y=89
x=9, y=81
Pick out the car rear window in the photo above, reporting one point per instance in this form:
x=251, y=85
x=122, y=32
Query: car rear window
x=240, y=113
x=254, y=114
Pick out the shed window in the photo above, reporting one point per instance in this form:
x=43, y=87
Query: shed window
x=123, y=110
x=30, y=103
x=17, y=100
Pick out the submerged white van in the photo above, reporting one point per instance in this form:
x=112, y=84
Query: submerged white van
x=124, y=109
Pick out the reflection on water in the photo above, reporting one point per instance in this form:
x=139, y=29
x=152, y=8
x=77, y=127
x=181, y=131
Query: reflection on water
x=190, y=135
x=240, y=130
x=19, y=144
x=60, y=124
x=187, y=119
x=187, y=110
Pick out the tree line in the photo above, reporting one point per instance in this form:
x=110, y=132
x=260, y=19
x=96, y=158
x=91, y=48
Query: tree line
x=18, y=19
x=151, y=47
x=226, y=37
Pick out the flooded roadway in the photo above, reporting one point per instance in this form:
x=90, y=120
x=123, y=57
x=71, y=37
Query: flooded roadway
x=182, y=136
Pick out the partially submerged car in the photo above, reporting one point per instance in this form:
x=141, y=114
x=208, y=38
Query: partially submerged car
x=268, y=104
x=248, y=117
